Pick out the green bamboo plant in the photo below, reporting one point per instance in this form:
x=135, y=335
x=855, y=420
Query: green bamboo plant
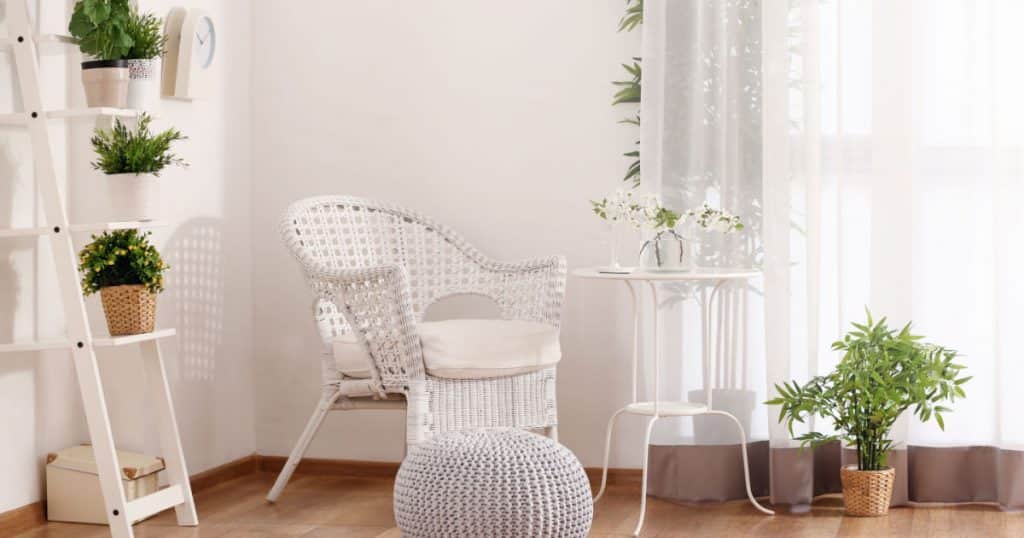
x=883, y=373
x=629, y=89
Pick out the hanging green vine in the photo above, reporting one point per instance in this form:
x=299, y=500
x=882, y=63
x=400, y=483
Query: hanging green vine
x=629, y=89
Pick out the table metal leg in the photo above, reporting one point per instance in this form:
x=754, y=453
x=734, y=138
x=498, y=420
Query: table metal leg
x=643, y=477
x=607, y=452
x=746, y=464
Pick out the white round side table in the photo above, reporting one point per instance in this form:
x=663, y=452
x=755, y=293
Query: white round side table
x=711, y=281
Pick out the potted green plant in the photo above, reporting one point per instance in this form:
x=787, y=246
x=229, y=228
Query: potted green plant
x=127, y=271
x=148, y=45
x=132, y=160
x=882, y=373
x=101, y=29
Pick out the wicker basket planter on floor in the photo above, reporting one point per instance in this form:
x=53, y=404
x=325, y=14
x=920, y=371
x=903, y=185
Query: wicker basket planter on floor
x=867, y=493
x=129, y=309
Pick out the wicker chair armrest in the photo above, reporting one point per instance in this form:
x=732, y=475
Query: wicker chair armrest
x=376, y=302
x=530, y=290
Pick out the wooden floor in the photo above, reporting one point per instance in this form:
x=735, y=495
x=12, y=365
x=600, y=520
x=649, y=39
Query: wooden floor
x=332, y=506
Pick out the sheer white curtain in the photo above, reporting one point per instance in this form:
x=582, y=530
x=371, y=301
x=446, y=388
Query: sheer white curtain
x=701, y=140
x=883, y=140
x=894, y=142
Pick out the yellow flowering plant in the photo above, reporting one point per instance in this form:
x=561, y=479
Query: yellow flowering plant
x=121, y=257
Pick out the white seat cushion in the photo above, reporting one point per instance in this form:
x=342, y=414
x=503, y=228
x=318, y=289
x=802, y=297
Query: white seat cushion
x=468, y=349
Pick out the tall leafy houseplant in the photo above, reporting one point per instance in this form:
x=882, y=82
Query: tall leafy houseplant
x=629, y=89
x=101, y=29
x=127, y=271
x=882, y=374
x=132, y=159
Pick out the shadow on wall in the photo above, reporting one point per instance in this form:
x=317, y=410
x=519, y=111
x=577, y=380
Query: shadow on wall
x=8, y=276
x=195, y=293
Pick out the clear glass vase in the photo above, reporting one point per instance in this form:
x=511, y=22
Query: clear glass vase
x=614, y=265
x=666, y=251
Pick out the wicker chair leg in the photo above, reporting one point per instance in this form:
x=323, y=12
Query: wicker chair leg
x=326, y=401
x=417, y=415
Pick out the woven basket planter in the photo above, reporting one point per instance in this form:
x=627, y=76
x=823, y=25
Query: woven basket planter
x=129, y=309
x=867, y=493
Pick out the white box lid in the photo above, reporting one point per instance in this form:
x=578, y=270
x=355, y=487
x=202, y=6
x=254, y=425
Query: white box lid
x=81, y=459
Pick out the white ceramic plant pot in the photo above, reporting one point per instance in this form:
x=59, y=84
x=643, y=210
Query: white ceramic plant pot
x=134, y=196
x=143, y=86
x=105, y=83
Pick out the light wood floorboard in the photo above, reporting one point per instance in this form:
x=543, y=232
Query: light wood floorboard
x=357, y=507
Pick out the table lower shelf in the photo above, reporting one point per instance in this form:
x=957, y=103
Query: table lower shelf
x=667, y=408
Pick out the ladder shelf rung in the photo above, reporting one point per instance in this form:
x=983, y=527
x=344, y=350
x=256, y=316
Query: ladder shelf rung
x=21, y=118
x=23, y=232
x=38, y=345
x=153, y=503
x=40, y=39
x=125, y=225
x=93, y=112
x=103, y=341
x=91, y=227
x=114, y=341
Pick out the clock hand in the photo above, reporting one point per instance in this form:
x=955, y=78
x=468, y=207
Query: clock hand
x=200, y=38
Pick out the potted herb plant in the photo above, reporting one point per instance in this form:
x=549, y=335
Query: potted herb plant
x=132, y=160
x=127, y=271
x=148, y=44
x=882, y=373
x=101, y=29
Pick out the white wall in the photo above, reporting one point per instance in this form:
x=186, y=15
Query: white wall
x=493, y=117
x=209, y=293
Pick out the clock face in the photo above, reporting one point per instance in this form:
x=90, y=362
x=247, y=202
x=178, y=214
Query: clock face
x=205, y=42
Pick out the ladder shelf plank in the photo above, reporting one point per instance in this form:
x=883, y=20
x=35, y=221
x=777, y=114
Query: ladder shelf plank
x=124, y=225
x=115, y=341
x=80, y=228
x=40, y=39
x=38, y=345
x=21, y=118
x=154, y=503
x=23, y=232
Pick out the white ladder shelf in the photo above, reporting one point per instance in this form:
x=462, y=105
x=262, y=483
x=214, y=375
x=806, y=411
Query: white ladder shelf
x=121, y=513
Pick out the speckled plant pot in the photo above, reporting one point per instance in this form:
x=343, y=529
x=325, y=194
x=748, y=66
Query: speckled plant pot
x=142, y=84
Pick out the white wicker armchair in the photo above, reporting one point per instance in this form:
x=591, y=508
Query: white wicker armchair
x=375, y=269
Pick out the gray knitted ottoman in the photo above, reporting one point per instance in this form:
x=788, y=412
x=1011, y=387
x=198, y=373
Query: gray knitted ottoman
x=495, y=482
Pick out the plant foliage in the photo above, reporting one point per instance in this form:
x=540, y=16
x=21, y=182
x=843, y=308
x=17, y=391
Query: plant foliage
x=118, y=258
x=148, y=39
x=135, y=151
x=634, y=15
x=101, y=28
x=883, y=373
x=629, y=89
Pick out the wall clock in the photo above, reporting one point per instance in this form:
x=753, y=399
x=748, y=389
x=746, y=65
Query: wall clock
x=191, y=47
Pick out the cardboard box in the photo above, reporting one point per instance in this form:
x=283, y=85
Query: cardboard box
x=73, y=491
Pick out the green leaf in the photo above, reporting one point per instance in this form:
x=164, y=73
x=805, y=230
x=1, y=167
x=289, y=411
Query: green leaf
x=634, y=15
x=98, y=11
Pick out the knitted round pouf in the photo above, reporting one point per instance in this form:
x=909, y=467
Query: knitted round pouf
x=501, y=482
